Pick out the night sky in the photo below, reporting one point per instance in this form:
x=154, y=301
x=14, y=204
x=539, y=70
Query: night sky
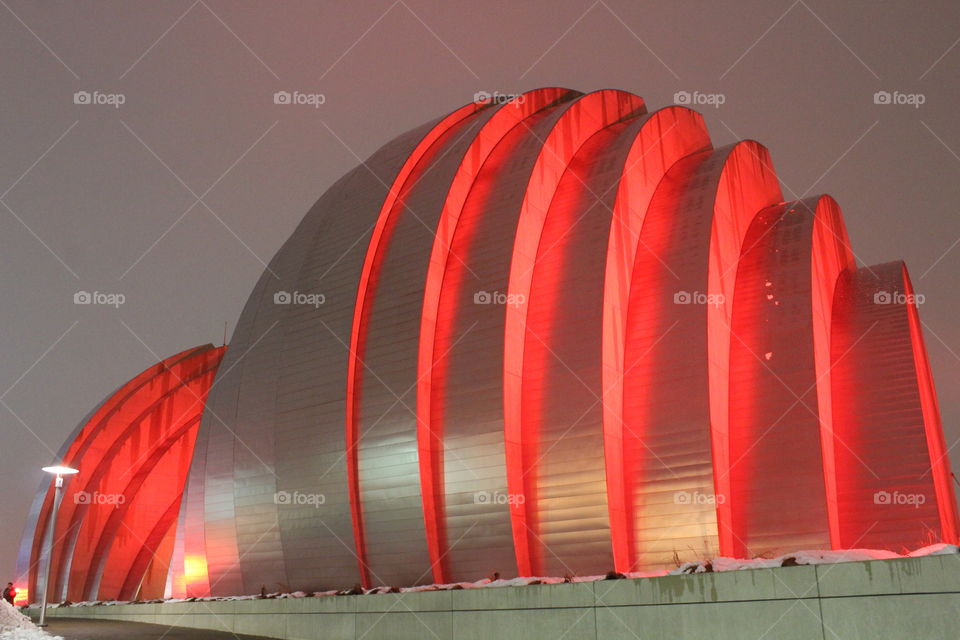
x=176, y=189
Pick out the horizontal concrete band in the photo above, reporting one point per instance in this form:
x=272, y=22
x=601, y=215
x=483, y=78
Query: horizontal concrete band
x=907, y=598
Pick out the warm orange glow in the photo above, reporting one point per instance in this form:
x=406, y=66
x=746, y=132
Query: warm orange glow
x=194, y=571
x=22, y=598
x=669, y=135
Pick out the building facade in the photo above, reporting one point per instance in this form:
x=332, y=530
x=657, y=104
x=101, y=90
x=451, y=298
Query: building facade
x=556, y=334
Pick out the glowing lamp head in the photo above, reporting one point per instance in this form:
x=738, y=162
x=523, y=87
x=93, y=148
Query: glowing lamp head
x=61, y=470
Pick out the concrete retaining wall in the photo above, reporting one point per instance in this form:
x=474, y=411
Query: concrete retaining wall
x=908, y=598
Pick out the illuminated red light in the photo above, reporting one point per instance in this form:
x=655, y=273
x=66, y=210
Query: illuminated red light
x=665, y=330
x=133, y=455
x=585, y=117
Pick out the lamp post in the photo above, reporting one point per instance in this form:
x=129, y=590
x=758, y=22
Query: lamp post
x=58, y=472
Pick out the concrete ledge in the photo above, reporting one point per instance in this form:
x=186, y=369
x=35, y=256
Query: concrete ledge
x=895, y=599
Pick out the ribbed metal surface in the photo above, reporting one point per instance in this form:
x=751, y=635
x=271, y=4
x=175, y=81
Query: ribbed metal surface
x=886, y=489
x=539, y=337
x=113, y=536
x=469, y=392
x=389, y=472
x=135, y=532
x=666, y=410
x=444, y=281
x=775, y=415
x=562, y=368
x=675, y=349
x=525, y=352
x=300, y=352
x=666, y=136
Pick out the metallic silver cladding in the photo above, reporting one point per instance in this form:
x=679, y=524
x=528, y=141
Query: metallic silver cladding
x=217, y=432
x=389, y=472
x=175, y=576
x=674, y=454
x=312, y=391
x=276, y=499
x=563, y=349
x=288, y=363
x=773, y=401
x=478, y=529
x=876, y=403
x=196, y=564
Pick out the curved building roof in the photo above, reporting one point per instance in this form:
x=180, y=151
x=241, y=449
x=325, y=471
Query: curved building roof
x=559, y=334
x=116, y=519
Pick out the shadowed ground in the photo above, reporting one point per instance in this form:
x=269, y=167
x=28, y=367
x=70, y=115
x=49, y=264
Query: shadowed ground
x=76, y=629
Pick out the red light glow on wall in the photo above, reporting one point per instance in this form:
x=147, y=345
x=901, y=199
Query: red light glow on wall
x=564, y=335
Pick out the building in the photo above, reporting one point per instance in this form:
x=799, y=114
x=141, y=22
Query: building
x=551, y=334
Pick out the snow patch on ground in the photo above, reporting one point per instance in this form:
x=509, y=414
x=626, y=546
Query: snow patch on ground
x=939, y=549
x=16, y=626
x=810, y=557
x=702, y=566
x=787, y=559
x=28, y=634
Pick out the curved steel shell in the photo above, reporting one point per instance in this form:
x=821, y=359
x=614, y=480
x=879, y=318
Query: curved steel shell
x=114, y=533
x=893, y=480
x=780, y=327
x=555, y=334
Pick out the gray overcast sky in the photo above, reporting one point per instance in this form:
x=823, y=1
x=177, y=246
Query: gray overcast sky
x=99, y=198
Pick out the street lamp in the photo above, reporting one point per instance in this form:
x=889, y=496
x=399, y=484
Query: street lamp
x=58, y=472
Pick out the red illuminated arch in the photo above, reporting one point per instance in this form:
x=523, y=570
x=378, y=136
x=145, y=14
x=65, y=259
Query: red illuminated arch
x=748, y=183
x=780, y=403
x=114, y=450
x=172, y=396
x=147, y=555
x=391, y=205
x=429, y=430
x=83, y=437
x=85, y=434
x=668, y=135
x=893, y=483
x=159, y=467
x=677, y=349
x=933, y=429
x=674, y=465
x=831, y=256
x=588, y=115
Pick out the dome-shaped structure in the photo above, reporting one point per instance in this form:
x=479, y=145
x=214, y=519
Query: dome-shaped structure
x=560, y=334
